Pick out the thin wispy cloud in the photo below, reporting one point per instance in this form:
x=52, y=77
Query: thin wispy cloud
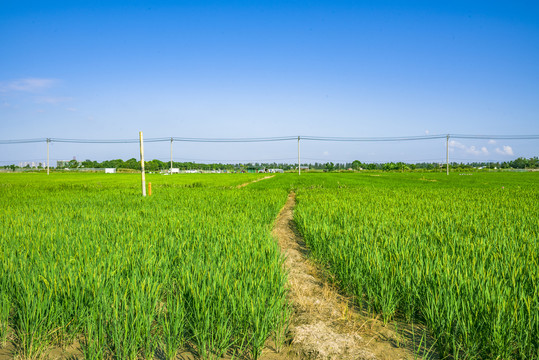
x=492, y=142
x=27, y=85
x=506, y=150
x=453, y=144
x=51, y=100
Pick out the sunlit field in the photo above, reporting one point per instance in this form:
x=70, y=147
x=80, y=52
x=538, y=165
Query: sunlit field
x=458, y=253
x=86, y=260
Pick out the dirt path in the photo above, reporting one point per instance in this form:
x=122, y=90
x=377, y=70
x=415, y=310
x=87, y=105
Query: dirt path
x=257, y=180
x=325, y=324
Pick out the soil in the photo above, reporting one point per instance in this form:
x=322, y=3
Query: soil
x=257, y=180
x=324, y=323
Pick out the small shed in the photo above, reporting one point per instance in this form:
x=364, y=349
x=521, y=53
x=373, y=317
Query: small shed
x=110, y=170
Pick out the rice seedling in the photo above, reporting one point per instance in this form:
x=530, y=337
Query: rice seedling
x=459, y=255
x=190, y=268
x=5, y=309
x=194, y=267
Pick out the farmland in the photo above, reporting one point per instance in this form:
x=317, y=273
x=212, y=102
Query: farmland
x=84, y=259
x=459, y=254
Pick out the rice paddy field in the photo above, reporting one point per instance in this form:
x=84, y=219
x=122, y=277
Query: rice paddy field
x=84, y=259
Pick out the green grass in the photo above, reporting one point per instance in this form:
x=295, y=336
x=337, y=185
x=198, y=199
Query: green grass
x=192, y=267
x=459, y=253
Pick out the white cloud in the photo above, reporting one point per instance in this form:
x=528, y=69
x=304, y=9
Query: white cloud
x=326, y=153
x=468, y=149
x=507, y=150
x=27, y=85
x=51, y=100
x=456, y=144
x=427, y=132
x=472, y=150
x=491, y=142
x=71, y=109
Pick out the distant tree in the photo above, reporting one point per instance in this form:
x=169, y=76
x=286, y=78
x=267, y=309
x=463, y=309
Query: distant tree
x=132, y=164
x=90, y=164
x=356, y=164
x=401, y=166
x=73, y=164
x=389, y=166
x=330, y=166
x=519, y=163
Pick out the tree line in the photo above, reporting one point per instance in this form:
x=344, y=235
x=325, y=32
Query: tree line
x=158, y=165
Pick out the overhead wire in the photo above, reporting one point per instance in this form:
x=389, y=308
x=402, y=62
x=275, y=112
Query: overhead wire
x=272, y=139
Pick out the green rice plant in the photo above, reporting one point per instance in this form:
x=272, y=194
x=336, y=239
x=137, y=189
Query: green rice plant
x=94, y=341
x=282, y=327
x=5, y=309
x=458, y=254
x=192, y=267
x=172, y=321
x=33, y=323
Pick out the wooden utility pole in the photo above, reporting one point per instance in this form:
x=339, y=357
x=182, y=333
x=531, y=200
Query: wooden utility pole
x=142, y=164
x=447, y=153
x=48, y=141
x=299, y=163
x=171, y=140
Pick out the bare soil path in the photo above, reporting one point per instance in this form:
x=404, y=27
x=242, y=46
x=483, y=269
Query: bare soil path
x=257, y=180
x=324, y=324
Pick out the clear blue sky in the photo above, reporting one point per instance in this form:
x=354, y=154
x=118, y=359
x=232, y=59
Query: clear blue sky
x=108, y=69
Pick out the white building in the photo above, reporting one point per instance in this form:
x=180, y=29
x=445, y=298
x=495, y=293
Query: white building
x=110, y=171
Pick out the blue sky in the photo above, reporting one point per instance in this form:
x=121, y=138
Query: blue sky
x=101, y=70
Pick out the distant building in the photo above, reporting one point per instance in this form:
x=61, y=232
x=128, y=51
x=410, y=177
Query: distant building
x=174, y=170
x=275, y=170
x=110, y=170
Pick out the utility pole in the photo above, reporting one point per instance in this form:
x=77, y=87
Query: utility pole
x=142, y=164
x=299, y=163
x=447, y=153
x=48, y=141
x=171, y=140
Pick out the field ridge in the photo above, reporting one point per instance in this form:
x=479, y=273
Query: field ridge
x=325, y=324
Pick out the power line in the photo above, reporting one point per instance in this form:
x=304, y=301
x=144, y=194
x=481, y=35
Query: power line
x=496, y=137
x=368, y=139
x=266, y=139
x=22, y=141
x=271, y=139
